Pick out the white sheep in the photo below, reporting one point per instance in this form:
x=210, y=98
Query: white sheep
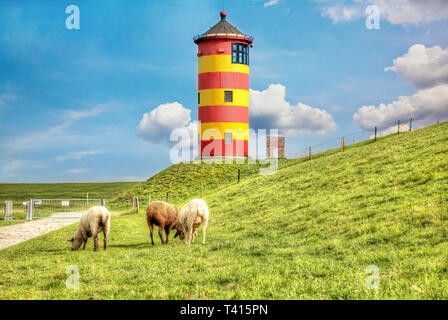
x=192, y=215
x=95, y=220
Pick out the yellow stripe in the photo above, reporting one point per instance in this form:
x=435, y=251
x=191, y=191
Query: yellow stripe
x=220, y=63
x=215, y=97
x=216, y=130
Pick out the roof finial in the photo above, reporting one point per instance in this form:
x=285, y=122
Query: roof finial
x=223, y=15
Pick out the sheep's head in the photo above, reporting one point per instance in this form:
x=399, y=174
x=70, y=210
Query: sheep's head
x=75, y=243
x=180, y=231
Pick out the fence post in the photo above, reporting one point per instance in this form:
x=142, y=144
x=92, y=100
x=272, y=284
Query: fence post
x=8, y=211
x=239, y=175
x=137, y=204
x=398, y=127
x=201, y=189
x=342, y=144
x=103, y=202
x=29, y=210
x=167, y=196
x=309, y=157
x=410, y=125
x=375, y=133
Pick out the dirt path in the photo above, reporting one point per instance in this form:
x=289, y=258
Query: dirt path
x=17, y=233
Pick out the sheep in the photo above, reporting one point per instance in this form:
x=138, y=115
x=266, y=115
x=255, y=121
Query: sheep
x=192, y=215
x=92, y=222
x=166, y=216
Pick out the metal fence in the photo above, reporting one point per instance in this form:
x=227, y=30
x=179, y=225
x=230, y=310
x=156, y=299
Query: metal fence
x=348, y=140
x=57, y=208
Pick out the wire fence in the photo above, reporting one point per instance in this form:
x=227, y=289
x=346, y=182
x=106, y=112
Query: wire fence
x=353, y=139
x=57, y=208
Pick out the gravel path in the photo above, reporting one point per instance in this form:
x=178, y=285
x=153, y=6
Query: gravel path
x=17, y=233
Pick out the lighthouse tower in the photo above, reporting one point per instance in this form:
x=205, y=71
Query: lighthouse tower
x=223, y=91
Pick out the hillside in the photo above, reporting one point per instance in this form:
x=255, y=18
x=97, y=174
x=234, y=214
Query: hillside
x=183, y=182
x=307, y=232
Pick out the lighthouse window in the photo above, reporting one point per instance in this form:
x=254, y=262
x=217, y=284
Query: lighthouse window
x=228, y=96
x=240, y=53
x=199, y=97
x=228, y=138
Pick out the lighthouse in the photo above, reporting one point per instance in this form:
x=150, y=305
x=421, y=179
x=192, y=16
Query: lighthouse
x=223, y=91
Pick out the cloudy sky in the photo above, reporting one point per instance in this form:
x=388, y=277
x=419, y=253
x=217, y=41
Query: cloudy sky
x=99, y=103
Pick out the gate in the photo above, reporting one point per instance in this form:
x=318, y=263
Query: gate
x=57, y=208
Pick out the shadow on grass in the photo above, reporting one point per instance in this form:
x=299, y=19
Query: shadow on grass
x=131, y=245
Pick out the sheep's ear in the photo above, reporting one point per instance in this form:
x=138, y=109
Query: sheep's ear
x=71, y=239
x=176, y=235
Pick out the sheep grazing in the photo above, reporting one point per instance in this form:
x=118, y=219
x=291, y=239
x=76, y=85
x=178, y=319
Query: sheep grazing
x=166, y=217
x=192, y=215
x=92, y=222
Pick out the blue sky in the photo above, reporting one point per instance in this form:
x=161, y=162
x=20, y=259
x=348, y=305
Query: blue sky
x=71, y=100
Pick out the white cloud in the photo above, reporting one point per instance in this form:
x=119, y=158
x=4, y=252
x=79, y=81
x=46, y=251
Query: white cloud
x=424, y=67
x=133, y=178
x=426, y=107
x=270, y=110
x=339, y=13
x=157, y=125
x=4, y=98
x=78, y=155
x=55, y=135
x=271, y=3
x=395, y=11
x=77, y=170
x=427, y=68
x=10, y=167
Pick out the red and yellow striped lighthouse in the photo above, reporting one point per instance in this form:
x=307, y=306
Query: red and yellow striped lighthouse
x=223, y=91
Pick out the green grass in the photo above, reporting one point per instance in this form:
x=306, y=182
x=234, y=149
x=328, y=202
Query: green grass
x=307, y=232
x=183, y=182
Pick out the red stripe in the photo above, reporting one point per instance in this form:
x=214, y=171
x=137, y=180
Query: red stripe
x=223, y=80
x=219, y=148
x=207, y=48
x=223, y=114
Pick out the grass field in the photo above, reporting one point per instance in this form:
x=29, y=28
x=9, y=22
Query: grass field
x=21, y=192
x=307, y=232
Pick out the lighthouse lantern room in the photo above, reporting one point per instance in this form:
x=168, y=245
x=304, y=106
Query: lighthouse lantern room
x=223, y=91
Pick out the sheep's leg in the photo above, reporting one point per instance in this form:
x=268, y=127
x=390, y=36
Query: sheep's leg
x=161, y=233
x=193, y=235
x=95, y=240
x=203, y=233
x=189, y=235
x=167, y=232
x=105, y=239
x=151, y=231
x=84, y=245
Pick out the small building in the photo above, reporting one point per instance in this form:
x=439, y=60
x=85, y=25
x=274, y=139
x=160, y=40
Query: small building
x=275, y=145
x=223, y=91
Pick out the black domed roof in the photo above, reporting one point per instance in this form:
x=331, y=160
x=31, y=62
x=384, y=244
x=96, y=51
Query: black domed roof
x=223, y=29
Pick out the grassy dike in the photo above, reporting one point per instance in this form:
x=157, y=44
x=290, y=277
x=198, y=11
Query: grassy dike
x=307, y=232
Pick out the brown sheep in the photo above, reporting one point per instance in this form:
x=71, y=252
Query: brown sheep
x=166, y=216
